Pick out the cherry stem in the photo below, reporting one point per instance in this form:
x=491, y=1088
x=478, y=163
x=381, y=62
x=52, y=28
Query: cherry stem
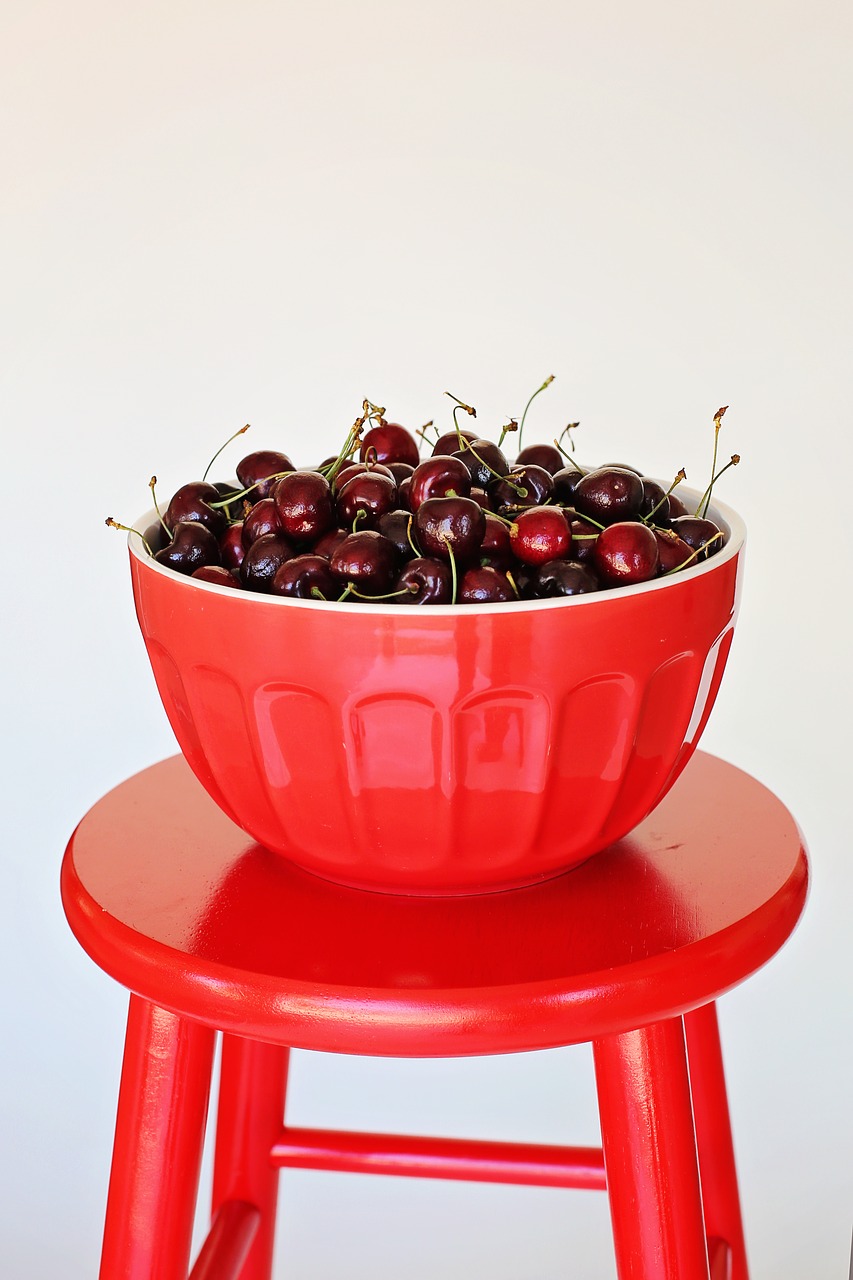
x=697, y=552
x=718, y=422
x=449, y=546
x=151, y=484
x=466, y=446
x=422, y=431
x=241, y=432
x=587, y=519
x=706, y=496
x=567, y=431
x=390, y=595
x=513, y=584
x=353, y=437
x=409, y=538
x=346, y=592
x=360, y=514
x=512, y=425
x=682, y=475
x=317, y=594
x=545, y=384
x=460, y=404
x=241, y=493
x=114, y=524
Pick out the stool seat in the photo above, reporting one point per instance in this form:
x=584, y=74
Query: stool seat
x=177, y=904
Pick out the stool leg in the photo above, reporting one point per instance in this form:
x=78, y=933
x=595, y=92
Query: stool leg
x=650, y=1154
x=162, y=1109
x=714, y=1135
x=253, y=1083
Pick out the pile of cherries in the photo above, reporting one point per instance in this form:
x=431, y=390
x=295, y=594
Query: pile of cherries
x=463, y=526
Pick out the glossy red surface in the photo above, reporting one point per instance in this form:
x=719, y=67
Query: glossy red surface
x=439, y=750
x=174, y=901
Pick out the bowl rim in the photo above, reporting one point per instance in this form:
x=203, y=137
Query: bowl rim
x=726, y=516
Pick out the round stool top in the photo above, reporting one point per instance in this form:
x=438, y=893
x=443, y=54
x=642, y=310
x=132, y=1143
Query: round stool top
x=176, y=903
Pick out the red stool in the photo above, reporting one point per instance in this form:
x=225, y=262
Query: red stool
x=212, y=932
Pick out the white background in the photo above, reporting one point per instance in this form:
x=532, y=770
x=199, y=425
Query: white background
x=216, y=213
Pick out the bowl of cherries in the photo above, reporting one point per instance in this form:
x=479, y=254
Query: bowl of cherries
x=433, y=667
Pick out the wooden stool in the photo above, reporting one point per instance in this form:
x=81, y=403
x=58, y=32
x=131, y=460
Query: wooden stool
x=212, y=932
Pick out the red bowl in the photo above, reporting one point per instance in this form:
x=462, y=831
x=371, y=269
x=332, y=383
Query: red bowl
x=440, y=749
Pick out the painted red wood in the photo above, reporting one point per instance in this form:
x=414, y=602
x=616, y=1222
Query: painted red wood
x=179, y=905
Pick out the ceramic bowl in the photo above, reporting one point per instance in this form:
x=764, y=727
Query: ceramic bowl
x=441, y=749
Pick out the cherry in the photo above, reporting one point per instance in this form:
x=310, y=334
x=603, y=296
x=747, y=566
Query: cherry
x=450, y=441
x=625, y=553
x=495, y=547
x=673, y=551
x=560, y=578
x=481, y=498
x=441, y=476
x=192, y=502
x=397, y=527
x=262, y=469
x=366, y=560
x=565, y=482
x=192, y=546
x=703, y=536
x=217, y=575
x=365, y=498
x=401, y=470
x=428, y=582
x=231, y=546
x=329, y=543
x=546, y=456
x=263, y=518
x=263, y=559
x=540, y=534
x=484, y=460
x=609, y=495
x=526, y=486
x=389, y=442
x=360, y=468
x=584, y=537
x=676, y=507
x=448, y=527
x=655, y=499
x=307, y=577
x=156, y=537
x=305, y=506
x=485, y=586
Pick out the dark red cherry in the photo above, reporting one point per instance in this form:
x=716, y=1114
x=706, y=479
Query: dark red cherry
x=217, y=575
x=539, y=534
x=263, y=560
x=264, y=466
x=560, y=578
x=401, y=470
x=397, y=527
x=676, y=507
x=484, y=460
x=231, y=546
x=192, y=502
x=584, y=537
x=673, y=551
x=305, y=505
x=546, y=456
x=457, y=523
x=527, y=486
x=263, y=518
x=366, y=497
x=192, y=546
x=625, y=553
x=701, y=535
x=428, y=581
x=359, y=468
x=481, y=498
x=441, y=476
x=156, y=537
x=485, y=586
x=565, y=482
x=389, y=442
x=307, y=577
x=366, y=560
x=654, y=499
x=329, y=543
x=449, y=442
x=609, y=495
x=495, y=546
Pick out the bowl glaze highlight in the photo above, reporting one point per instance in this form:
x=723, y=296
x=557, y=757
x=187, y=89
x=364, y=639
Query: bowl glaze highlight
x=441, y=749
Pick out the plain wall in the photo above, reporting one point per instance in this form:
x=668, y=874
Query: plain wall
x=221, y=213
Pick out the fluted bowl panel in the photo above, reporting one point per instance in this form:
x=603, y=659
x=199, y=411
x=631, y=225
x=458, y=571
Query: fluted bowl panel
x=451, y=749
